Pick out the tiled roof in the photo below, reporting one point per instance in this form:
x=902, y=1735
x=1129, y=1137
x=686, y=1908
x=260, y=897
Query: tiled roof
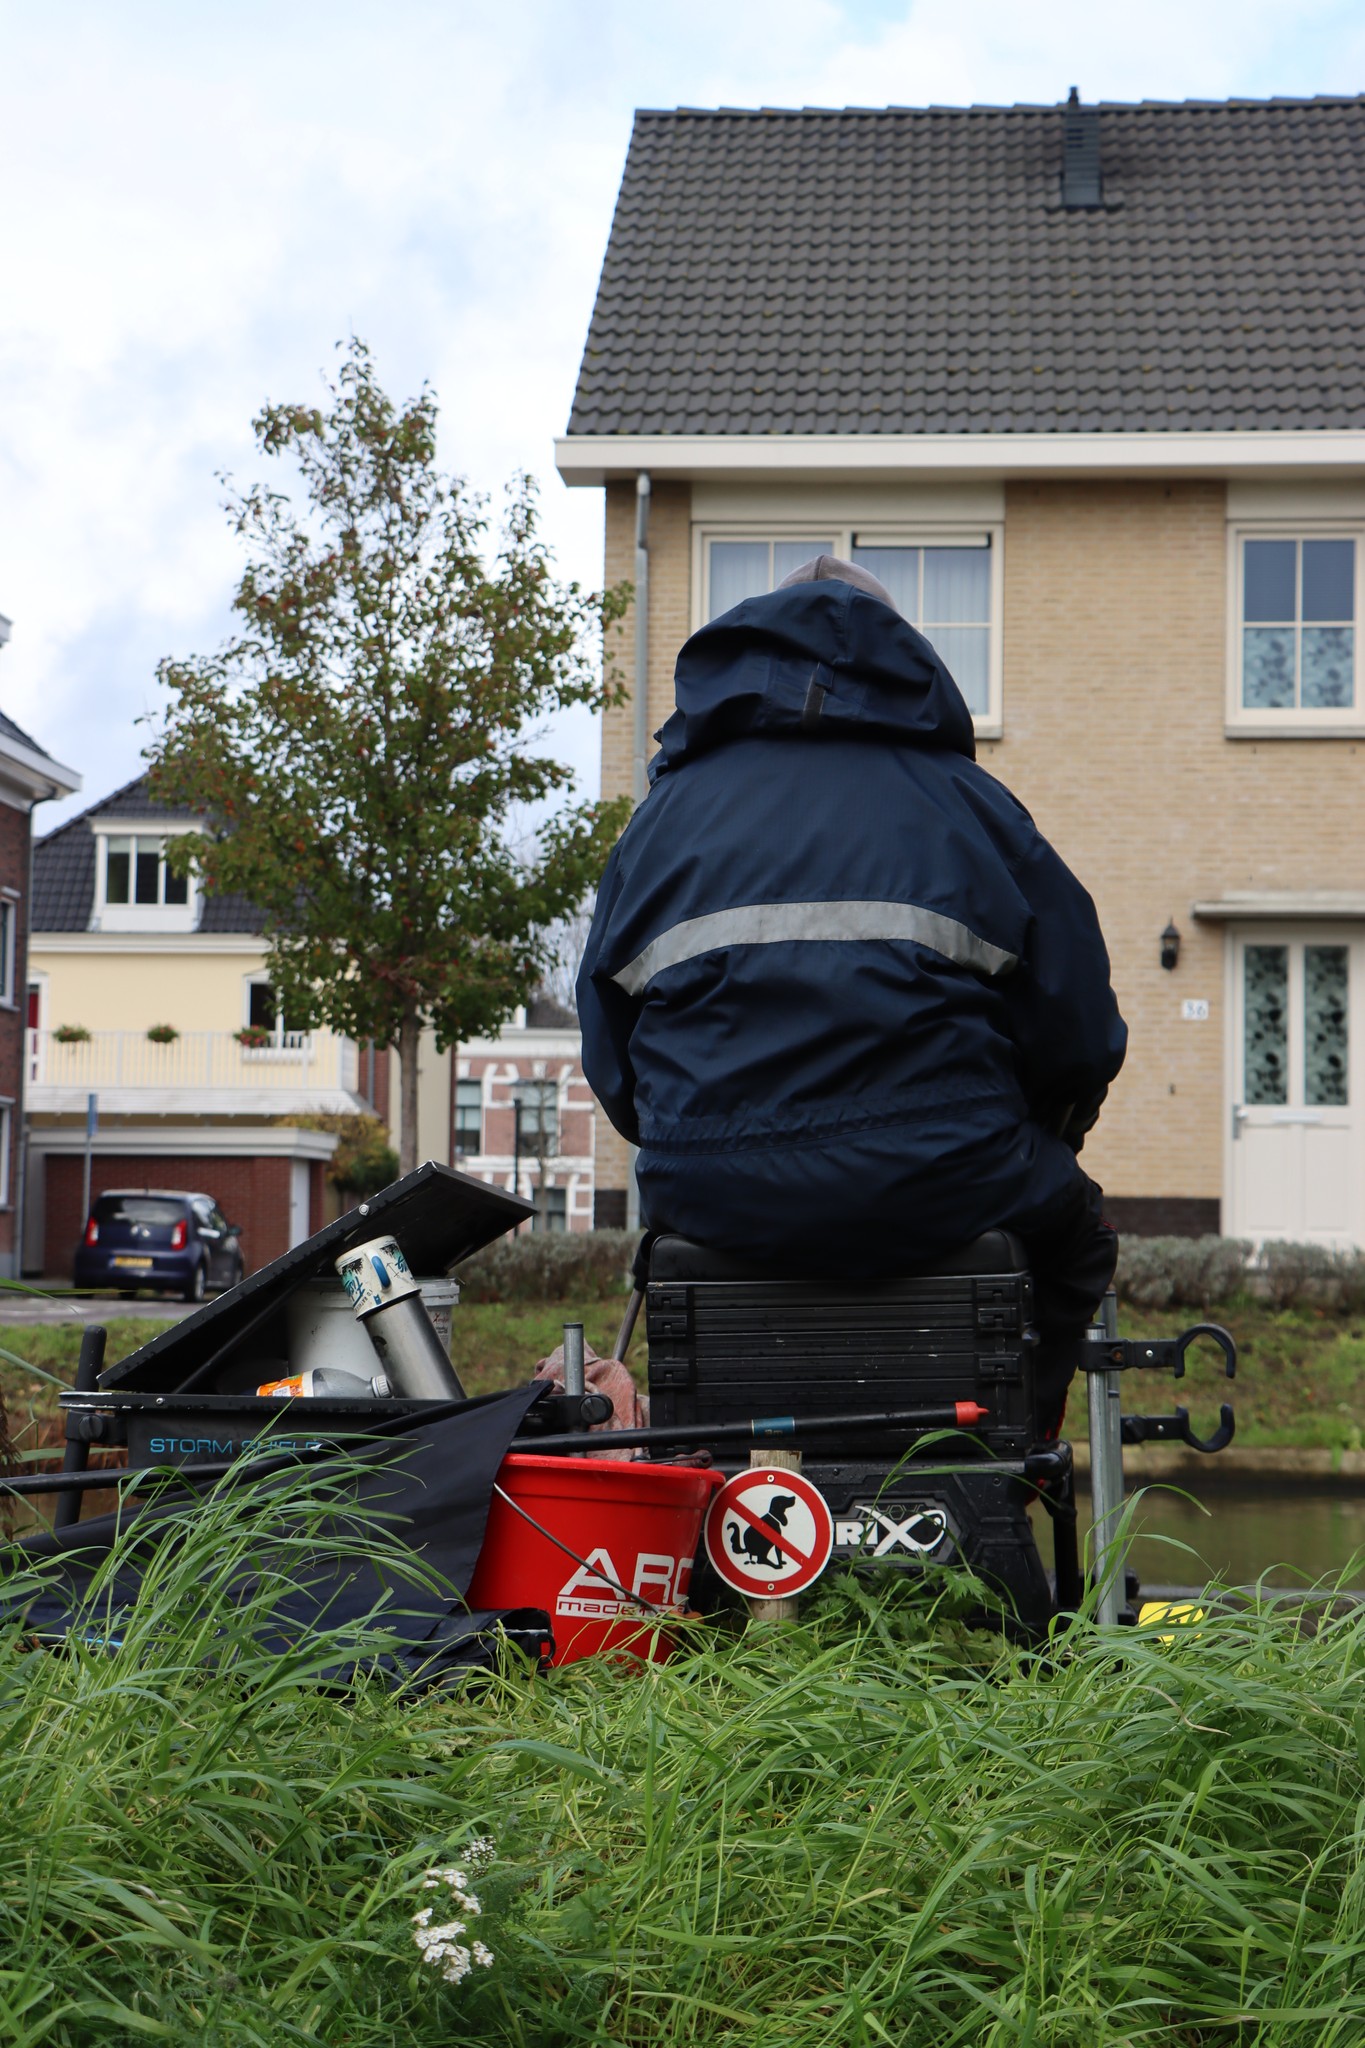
x=10, y=731
x=915, y=271
x=64, y=869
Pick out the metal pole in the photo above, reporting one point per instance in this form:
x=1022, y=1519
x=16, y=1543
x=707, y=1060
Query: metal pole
x=575, y=1370
x=1106, y=1471
x=516, y=1144
x=575, y=1381
x=92, y=1118
x=76, y=1456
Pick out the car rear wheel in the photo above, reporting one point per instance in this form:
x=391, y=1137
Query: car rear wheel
x=195, y=1288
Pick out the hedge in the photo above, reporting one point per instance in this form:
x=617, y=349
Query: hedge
x=1154, y=1272
x=550, y=1265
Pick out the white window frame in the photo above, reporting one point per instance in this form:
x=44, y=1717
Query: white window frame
x=6, y=1139
x=875, y=532
x=9, y=926
x=469, y=1081
x=1295, y=723
x=286, y=1045
x=140, y=917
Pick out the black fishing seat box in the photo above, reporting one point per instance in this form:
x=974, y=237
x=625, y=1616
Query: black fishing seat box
x=728, y=1340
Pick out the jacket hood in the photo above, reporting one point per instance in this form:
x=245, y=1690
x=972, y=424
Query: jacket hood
x=815, y=657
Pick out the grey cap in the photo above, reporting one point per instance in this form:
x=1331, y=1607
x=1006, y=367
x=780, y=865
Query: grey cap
x=834, y=569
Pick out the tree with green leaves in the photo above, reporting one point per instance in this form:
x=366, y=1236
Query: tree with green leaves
x=361, y=749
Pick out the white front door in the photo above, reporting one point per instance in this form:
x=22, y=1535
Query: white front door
x=1298, y=1082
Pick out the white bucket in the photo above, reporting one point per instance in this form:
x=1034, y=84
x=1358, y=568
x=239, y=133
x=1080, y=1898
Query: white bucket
x=324, y=1332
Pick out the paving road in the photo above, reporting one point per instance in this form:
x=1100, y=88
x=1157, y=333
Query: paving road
x=26, y=1309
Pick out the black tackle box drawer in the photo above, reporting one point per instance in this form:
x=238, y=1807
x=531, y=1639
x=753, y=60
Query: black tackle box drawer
x=726, y=1350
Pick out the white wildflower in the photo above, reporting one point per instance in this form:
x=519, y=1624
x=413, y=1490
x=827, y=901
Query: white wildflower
x=441, y=1946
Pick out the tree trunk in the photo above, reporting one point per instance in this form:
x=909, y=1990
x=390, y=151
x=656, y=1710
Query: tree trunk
x=409, y=1036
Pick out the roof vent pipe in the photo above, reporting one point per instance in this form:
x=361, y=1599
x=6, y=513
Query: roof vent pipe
x=642, y=491
x=1082, y=184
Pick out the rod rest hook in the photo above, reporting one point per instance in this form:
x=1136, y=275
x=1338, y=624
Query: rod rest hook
x=1175, y=1429
x=1159, y=1354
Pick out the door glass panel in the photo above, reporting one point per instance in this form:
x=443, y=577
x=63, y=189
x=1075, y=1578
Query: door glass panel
x=1329, y=663
x=1326, y=1031
x=1268, y=668
x=1266, y=1024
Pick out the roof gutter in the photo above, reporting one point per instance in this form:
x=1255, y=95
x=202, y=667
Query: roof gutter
x=595, y=459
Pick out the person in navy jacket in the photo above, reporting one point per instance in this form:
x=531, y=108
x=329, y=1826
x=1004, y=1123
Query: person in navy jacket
x=848, y=1002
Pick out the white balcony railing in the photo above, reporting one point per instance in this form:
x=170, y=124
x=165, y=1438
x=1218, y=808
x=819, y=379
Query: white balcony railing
x=126, y=1069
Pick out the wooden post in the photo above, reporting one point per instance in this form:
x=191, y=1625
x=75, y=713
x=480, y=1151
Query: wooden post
x=768, y=1611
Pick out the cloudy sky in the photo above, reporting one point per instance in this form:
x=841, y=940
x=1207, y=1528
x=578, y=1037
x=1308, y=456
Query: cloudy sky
x=200, y=200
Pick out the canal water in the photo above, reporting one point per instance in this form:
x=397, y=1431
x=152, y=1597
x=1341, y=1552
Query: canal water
x=1291, y=1535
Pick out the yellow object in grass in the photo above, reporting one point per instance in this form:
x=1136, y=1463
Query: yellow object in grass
x=1183, y=1611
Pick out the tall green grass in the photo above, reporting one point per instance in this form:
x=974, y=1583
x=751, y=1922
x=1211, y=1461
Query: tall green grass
x=878, y=1826
x=207, y=1840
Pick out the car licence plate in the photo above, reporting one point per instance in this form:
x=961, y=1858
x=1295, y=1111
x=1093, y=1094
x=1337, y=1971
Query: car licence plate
x=142, y=1265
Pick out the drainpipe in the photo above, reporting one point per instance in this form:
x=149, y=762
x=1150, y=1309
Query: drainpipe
x=20, y=1137
x=642, y=491
x=640, y=780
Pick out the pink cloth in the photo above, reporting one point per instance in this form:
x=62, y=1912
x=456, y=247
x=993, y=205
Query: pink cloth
x=629, y=1407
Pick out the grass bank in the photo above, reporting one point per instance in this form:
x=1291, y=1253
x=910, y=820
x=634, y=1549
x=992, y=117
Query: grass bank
x=875, y=1827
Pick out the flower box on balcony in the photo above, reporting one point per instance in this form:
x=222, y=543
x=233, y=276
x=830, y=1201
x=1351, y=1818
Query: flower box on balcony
x=162, y=1034
x=254, y=1037
x=71, y=1034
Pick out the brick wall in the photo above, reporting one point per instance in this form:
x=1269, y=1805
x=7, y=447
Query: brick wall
x=572, y=1165
x=1115, y=651
x=14, y=863
x=252, y=1192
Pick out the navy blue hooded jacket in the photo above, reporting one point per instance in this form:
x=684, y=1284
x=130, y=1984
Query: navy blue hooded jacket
x=838, y=988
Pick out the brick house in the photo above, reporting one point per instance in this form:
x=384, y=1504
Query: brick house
x=523, y=1115
x=1084, y=386
x=28, y=776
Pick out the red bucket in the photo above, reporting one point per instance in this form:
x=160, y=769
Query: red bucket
x=637, y=1524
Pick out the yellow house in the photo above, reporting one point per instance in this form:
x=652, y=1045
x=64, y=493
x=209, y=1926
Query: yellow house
x=151, y=1016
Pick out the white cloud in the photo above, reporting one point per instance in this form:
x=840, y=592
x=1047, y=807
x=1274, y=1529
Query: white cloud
x=202, y=201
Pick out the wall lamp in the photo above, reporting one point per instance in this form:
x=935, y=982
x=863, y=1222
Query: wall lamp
x=1170, y=946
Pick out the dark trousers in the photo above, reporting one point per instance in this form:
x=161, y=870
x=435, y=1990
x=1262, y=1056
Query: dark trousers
x=1072, y=1252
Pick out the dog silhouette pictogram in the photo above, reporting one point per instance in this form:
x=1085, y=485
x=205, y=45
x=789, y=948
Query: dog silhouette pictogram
x=750, y=1543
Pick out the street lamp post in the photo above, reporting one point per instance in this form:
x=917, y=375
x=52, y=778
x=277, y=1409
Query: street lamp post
x=517, y=1099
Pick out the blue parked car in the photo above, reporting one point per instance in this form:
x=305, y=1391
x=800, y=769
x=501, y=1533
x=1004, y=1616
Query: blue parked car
x=150, y=1237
